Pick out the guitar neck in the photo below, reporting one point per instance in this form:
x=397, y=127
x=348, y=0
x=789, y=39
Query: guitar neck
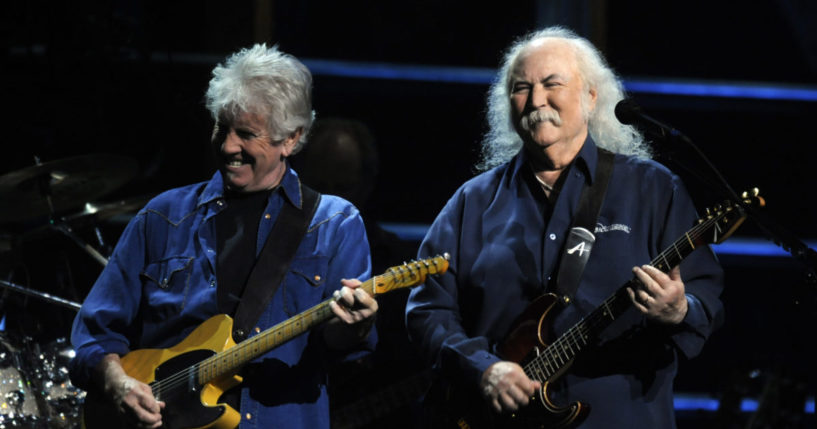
x=555, y=358
x=230, y=360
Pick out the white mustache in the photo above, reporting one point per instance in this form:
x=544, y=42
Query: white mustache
x=537, y=116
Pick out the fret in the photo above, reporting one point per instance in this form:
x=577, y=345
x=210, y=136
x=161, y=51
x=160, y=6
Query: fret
x=691, y=244
x=678, y=252
x=666, y=266
x=607, y=311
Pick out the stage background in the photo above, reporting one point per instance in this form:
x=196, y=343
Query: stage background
x=127, y=78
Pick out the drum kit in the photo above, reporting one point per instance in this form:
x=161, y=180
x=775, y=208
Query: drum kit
x=56, y=198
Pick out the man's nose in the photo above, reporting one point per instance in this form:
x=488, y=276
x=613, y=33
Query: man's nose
x=231, y=143
x=538, y=96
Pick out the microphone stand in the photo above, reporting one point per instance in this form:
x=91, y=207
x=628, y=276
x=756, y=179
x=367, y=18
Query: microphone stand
x=780, y=235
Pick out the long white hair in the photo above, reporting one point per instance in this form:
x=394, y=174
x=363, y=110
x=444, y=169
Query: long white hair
x=264, y=81
x=502, y=142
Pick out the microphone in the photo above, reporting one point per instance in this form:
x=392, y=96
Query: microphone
x=628, y=112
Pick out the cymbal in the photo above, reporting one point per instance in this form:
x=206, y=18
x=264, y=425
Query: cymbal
x=68, y=182
x=101, y=211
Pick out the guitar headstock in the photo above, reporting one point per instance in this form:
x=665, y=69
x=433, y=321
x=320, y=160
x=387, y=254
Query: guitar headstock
x=722, y=220
x=410, y=273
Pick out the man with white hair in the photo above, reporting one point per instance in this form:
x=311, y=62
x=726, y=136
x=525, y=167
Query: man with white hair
x=192, y=252
x=551, y=112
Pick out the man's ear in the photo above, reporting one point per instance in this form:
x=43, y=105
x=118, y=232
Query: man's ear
x=290, y=142
x=592, y=99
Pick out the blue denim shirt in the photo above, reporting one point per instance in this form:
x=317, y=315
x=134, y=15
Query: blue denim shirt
x=160, y=283
x=504, y=250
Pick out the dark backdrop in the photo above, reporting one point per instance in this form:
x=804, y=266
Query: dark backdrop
x=128, y=78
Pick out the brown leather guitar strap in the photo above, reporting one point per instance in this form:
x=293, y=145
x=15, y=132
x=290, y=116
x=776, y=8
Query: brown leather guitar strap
x=581, y=238
x=273, y=262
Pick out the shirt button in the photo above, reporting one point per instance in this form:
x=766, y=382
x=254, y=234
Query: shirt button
x=248, y=416
x=257, y=329
x=552, y=236
x=220, y=203
x=267, y=216
x=317, y=278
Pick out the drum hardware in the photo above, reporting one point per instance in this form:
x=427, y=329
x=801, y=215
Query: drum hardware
x=44, y=296
x=46, y=189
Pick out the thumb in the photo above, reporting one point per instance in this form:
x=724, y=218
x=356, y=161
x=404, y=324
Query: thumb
x=675, y=273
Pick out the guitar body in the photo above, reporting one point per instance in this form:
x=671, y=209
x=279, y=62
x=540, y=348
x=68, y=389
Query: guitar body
x=546, y=359
x=188, y=405
x=528, y=335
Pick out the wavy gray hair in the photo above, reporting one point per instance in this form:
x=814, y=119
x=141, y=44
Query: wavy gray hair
x=502, y=142
x=268, y=82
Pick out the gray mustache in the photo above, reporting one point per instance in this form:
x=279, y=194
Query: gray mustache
x=537, y=116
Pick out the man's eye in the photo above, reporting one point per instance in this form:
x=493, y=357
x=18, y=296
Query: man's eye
x=520, y=88
x=245, y=134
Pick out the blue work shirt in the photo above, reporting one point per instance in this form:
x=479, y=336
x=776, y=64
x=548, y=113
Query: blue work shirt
x=160, y=283
x=505, y=241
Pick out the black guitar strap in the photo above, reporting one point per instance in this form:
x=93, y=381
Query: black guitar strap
x=273, y=262
x=581, y=238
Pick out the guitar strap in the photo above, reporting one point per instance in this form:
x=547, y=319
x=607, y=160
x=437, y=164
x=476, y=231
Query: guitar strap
x=581, y=238
x=273, y=262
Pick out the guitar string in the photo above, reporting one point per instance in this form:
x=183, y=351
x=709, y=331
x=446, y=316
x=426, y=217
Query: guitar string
x=393, y=274
x=228, y=355
x=583, y=329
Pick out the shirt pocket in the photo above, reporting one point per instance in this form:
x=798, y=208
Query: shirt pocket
x=166, y=282
x=304, y=283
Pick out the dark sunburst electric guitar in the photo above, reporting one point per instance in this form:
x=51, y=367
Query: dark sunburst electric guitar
x=545, y=360
x=191, y=376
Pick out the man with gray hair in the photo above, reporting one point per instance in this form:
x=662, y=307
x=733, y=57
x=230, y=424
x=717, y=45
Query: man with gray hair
x=191, y=253
x=551, y=112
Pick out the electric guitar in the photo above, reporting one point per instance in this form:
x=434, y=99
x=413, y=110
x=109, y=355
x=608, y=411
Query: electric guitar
x=192, y=375
x=545, y=361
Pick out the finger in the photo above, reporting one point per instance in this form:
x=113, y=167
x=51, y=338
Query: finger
x=646, y=281
x=496, y=405
x=644, y=297
x=658, y=276
x=635, y=301
x=343, y=296
x=146, y=399
x=341, y=312
x=518, y=395
x=146, y=418
x=675, y=273
x=530, y=388
x=365, y=300
x=350, y=283
x=507, y=402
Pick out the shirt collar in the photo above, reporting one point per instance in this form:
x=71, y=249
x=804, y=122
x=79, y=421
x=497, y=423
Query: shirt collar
x=586, y=160
x=290, y=187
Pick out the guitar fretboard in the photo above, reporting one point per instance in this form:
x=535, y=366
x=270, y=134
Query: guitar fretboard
x=554, y=358
x=229, y=361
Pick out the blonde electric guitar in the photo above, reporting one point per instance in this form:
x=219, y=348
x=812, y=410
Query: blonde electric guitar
x=191, y=376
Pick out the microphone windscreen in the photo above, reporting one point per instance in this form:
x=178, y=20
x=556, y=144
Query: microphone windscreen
x=627, y=111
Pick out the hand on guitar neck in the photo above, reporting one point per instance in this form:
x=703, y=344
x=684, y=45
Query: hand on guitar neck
x=354, y=311
x=659, y=296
